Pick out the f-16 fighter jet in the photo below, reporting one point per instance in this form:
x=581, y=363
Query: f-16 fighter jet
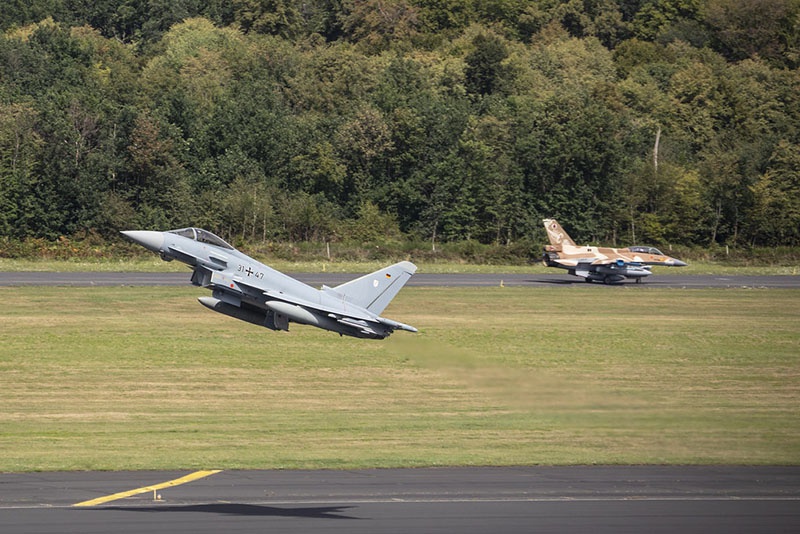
x=249, y=290
x=607, y=265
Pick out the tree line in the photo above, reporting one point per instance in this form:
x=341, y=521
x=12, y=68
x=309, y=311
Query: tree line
x=658, y=121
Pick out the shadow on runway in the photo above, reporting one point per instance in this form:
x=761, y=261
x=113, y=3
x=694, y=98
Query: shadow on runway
x=318, y=512
x=574, y=282
x=554, y=281
x=582, y=282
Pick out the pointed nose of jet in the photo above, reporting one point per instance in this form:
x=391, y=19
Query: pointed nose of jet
x=148, y=239
x=678, y=263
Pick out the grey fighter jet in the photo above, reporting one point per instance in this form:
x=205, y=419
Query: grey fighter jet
x=249, y=290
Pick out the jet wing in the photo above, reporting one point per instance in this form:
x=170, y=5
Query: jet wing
x=575, y=262
x=618, y=260
x=235, y=285
x=348, y=314
x=345, y=311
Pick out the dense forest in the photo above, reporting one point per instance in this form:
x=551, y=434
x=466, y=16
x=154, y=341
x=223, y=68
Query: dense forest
x=657, y=121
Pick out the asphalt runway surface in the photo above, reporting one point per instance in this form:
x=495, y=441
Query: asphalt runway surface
x=652, y=499
x=85, y=279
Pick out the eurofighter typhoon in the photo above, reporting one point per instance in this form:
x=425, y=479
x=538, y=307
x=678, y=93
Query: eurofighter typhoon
x=602, y=264
x=248, y=290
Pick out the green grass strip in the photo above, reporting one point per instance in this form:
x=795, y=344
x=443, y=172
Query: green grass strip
x=146, y=378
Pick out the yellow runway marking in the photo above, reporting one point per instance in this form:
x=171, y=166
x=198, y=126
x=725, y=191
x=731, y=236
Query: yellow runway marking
x=177, y=482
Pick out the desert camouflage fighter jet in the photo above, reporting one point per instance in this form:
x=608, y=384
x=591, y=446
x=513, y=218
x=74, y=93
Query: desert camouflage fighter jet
x=248, y=290
x=607, y=265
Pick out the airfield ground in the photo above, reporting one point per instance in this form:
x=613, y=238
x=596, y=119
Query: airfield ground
x=112, y=378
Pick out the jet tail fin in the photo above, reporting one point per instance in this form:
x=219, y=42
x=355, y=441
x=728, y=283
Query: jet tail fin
x=558, y=237
x=376, y=290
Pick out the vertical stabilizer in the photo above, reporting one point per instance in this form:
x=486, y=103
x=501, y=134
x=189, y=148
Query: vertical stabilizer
x=558, y=237
x=376, y=290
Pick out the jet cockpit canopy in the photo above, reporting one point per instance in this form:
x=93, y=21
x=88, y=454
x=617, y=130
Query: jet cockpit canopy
x=646, y=250
x=202, y=236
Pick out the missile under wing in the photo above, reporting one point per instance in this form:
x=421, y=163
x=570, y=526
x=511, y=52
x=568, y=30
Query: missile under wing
x=248, y=290
x=602, y=264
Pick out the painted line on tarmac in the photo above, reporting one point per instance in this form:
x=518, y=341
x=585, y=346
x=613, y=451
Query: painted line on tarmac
x=490, y=500
x=169, y=484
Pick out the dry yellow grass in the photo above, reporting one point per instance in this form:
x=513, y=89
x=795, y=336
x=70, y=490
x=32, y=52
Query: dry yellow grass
x=145, y=378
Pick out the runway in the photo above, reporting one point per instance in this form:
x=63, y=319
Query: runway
x=87, y=279
x=609, y=499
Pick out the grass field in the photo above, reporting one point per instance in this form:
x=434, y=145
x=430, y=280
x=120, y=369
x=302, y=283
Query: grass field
x=146, y=378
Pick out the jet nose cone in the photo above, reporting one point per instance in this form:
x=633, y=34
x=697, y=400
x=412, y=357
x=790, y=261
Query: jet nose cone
x=679, y=263
x=148, y=239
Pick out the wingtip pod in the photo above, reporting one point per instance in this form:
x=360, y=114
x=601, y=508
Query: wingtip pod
x=397, y=325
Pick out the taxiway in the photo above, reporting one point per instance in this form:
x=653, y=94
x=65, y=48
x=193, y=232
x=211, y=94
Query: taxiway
x=653, y=499
x=86, y=279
